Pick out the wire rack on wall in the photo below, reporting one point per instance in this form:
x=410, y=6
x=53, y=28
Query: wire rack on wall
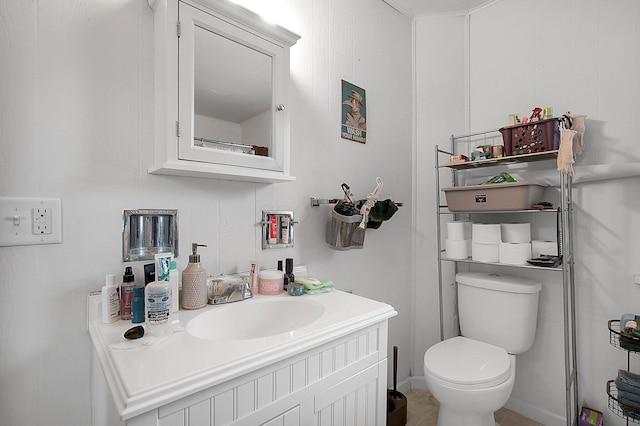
x=629, y=412
x=619, y=408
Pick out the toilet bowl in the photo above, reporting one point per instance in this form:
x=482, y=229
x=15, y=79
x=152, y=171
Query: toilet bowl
x=470, y=379
x=472, y=375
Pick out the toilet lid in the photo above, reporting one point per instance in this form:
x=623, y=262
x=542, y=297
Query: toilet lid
x=469, y=362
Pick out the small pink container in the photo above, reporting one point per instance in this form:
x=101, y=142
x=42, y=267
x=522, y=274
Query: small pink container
x=271, y=282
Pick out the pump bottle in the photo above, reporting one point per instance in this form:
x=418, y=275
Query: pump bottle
x=126, y=293
x=194, y=281
x=289, y=277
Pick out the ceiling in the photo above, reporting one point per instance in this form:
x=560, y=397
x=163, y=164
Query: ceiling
x=434, y=7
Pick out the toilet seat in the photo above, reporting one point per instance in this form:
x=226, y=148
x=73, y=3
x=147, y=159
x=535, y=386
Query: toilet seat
x=467, y=364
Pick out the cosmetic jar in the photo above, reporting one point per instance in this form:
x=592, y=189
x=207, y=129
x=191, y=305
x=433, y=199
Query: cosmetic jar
x=295, y=289
x=271, y=282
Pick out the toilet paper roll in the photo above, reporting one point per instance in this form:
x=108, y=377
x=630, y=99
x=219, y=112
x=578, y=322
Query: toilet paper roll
x=486, y=233
x=515, y=232
x=515, y=253
x=485, y=252
x=457, y=249
x=459, y=230
x=539, y=247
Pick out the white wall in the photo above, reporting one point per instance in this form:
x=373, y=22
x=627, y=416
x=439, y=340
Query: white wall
x=251, y=129
x=440, y=110
x=581, y=56
x=76, y=105
x=217, y=129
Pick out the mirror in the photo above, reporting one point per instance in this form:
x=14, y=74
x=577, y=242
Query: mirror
x=232, y=95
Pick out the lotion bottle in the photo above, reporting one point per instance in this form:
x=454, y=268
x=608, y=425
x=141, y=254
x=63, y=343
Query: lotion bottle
x=285, y=223
x=157, y=306
x=194, y=281
x=110, y=300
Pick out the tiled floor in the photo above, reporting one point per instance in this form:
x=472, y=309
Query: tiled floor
x=422, y=410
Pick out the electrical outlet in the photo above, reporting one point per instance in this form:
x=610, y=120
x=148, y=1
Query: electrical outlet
x=636, y=279
x=30, y=221
x=41, y=220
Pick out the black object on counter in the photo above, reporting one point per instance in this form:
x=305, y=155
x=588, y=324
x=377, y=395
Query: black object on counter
x=134, y=332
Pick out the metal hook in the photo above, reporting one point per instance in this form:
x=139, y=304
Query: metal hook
x=347, y=192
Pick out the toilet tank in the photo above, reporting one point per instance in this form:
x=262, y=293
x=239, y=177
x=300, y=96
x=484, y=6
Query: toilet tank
x=498, y=309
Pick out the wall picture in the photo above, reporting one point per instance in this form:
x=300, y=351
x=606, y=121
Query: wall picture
x=354, y=113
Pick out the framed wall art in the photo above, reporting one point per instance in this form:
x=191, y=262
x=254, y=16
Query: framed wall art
x=354, y=113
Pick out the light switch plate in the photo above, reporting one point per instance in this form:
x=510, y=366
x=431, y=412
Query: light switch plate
x=30, y=221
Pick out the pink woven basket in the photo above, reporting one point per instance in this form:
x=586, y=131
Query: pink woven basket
x=532, y=137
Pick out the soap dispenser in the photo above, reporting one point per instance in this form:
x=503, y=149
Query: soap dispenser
x=194, y=281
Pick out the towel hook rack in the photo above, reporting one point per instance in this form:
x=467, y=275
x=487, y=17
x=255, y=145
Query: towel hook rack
x=317, y=202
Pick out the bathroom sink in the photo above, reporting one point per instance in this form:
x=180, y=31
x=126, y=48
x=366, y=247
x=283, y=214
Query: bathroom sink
x=255, y=319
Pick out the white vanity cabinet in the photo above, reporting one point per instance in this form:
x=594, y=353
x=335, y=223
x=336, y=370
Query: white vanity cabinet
x=333, y=371
x=221, y=76
x=344, y=380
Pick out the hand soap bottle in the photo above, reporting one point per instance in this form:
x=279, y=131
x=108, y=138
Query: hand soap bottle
x=194, y=281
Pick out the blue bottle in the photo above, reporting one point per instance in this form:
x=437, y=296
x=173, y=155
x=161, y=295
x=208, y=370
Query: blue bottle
x=137, y=305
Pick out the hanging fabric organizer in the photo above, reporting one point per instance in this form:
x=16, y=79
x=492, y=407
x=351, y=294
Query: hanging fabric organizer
x=349, y=220
x=344, y=232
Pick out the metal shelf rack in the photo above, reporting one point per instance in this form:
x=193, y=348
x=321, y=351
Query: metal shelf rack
x=566, y=226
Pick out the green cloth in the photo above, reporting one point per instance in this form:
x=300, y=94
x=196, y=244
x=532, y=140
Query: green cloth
x=503, y=177
x=310, y=286
x=320, y=290
x=381, y=211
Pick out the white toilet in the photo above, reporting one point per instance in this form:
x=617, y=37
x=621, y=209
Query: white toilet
x=472, y=375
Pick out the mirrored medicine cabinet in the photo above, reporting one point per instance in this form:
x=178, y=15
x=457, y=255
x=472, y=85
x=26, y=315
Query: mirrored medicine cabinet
x=221, y=76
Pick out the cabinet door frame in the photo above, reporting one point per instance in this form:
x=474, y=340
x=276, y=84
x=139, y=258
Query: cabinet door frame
x=174, y=151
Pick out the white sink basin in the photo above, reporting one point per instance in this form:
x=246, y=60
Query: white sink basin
x=256, y=318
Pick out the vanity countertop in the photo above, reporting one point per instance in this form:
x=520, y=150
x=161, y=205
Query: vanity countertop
x=146, y=373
